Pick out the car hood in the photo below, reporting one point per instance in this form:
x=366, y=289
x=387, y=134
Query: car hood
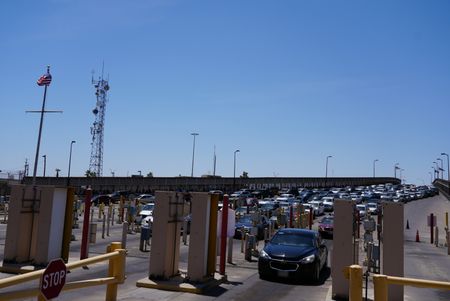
x=146, y=212
x=245, y=225
x=294, y=253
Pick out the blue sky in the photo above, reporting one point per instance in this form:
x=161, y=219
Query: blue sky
x=285, y=82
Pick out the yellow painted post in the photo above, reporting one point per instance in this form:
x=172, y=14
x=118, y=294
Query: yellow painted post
x=68, y=222
x=101, y=207
x=380, y=287
x=356, y=280
x=446, y=219
x=116, y=269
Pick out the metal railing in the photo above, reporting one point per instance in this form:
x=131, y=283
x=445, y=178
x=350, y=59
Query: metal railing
x=116, y=275
x=381, y=282
x=443, y=186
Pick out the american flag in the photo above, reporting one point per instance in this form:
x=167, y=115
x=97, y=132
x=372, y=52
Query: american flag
x=44, y=80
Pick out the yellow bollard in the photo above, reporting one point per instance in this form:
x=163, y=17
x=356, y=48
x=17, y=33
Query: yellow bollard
x=380, y=287
x=68, y=222
x=446, y=219
x=356, y=280
x=116, y=269
x=101, y=207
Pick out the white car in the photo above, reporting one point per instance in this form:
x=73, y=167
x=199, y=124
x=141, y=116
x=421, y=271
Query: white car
x=146, y=211
x=146, y=198
x=317, y=207
x=372, y=208
x=328, y=203
x=362, y=209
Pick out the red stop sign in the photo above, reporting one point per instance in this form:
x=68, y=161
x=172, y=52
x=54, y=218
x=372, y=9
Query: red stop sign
x=53, y=279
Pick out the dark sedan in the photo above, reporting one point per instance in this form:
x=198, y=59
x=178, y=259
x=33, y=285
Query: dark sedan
x=326, y=226
x=293, y=253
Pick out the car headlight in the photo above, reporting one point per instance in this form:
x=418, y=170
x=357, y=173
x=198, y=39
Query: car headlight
x=263, y=254
x=308, y=259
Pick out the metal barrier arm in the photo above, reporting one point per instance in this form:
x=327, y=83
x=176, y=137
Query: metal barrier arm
x=116, y=276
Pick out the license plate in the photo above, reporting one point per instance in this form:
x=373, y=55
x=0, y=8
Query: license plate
x=283, y=274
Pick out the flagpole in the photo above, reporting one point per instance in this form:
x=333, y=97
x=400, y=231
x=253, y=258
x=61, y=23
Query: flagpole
x=40, y=132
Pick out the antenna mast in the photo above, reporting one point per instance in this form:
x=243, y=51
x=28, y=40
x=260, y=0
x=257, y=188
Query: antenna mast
x=97, y=129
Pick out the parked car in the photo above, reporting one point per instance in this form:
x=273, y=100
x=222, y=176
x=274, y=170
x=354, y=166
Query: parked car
x=245, y=223
x=101, y=199
x=362, y=209
x=328, y=203
x=115, y=196
x=372, y=208
x=294, y=254
x=317, y=207
x=326, y=226
x=147, y=210
x=145, y=198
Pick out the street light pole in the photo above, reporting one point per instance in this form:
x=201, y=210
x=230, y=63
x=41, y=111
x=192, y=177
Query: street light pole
x=401, y=178
x=234, y=170
x=376, y=160
x=442, y=167
x=45, y=163
x=326, y=167
x=70, y=162
x=395, y=170
x=193, y=153
x=436, y=170
x=448, y=167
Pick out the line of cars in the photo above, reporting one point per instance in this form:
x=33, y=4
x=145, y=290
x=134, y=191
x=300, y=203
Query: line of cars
x=115, y=198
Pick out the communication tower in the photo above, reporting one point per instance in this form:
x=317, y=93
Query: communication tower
x=97, y=130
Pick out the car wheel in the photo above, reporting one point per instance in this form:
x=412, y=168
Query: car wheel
x=316, y=272
x=263, y=276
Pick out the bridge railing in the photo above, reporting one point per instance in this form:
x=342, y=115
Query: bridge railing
x=443, y=186
x=116, y=275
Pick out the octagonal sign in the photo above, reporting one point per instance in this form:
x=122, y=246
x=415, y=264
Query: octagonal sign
x=53, y=279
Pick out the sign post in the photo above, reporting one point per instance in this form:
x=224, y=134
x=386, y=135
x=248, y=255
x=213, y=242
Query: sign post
x=431, y=220
x=53, y=279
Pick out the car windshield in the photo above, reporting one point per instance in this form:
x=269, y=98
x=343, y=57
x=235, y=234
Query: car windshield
x=327, y=221
x=292, y=239
x=246, y=219
x=148, y=207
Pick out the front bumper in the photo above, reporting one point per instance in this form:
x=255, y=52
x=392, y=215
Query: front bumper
x=285, y=268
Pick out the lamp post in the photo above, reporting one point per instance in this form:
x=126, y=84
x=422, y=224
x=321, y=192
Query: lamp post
x=193, y=153
x=45, y=163
x=395, y=169
x=441, y=168
x=140, y=173
x=448, y=168
x=326, y=167
x=234, y=170
x=376, y=160
x=401, y=178
x=436, y=170
x=70, y=162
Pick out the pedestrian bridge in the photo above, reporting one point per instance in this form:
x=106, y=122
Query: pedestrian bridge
x=226, y=184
